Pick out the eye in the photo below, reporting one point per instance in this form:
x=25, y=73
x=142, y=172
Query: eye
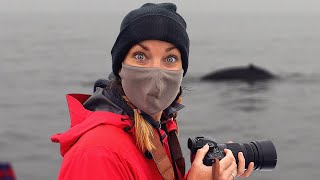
x=172, y=59
x=139, y=56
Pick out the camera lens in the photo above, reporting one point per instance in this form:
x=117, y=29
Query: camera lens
x=262, y=153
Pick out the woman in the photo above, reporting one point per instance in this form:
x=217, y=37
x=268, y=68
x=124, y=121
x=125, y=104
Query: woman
x=127, y=130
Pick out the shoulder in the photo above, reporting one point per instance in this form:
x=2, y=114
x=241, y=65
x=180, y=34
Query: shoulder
x=93, y=161
x=111, y=153
x=108, y=137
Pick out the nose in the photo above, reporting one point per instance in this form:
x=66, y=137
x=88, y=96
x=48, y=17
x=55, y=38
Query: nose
x=156, y=62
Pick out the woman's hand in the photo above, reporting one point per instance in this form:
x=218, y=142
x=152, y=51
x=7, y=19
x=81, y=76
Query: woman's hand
x=241, y=171
x=224, y=169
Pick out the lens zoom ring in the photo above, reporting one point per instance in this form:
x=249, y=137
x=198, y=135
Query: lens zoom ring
x=235, y=148
x=250, y=154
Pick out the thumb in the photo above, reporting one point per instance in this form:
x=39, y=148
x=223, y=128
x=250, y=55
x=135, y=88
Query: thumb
x=200, y=154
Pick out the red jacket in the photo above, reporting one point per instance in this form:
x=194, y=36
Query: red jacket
x=97, y=147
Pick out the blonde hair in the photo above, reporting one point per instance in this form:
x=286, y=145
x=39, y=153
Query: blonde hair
x=144, y=132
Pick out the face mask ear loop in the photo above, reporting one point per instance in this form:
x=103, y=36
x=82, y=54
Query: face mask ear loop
x=125, y=98
x=179, y=101
x=175, y=115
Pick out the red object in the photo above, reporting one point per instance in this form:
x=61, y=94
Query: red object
x=97, y=147
x=6, y=172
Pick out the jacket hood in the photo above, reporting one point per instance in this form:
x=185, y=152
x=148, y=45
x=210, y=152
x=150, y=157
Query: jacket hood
x=105, y=106
x=83, y=120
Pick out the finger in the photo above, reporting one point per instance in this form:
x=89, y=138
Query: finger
x=201, y=153
x=232, y=169
x=241, y=164
x=216, y=169
x=249, y=170
x=227, y=160
x=232, y=177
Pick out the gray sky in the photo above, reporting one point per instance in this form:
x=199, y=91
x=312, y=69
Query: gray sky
x=299, y=6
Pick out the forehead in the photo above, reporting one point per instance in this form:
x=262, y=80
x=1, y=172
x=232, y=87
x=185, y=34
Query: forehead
x=155, y=43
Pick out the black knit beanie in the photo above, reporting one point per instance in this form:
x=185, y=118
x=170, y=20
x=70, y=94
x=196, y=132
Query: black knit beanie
x=151, y=22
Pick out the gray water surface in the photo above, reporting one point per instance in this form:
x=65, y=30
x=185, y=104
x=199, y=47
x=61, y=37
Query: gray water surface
x=47, y=55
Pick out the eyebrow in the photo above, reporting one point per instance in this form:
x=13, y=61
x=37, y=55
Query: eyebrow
x=148, y=49
x=170, y=48
x=144, y=47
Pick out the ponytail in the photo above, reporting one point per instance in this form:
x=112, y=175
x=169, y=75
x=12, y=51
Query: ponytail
x=144, y=132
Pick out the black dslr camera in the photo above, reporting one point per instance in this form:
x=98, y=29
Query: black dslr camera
x=262, y=152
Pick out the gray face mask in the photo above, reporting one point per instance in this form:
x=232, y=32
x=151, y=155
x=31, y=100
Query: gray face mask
x=150, y=89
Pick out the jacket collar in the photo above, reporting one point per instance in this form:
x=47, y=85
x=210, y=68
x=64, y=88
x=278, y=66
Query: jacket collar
x=83, y=120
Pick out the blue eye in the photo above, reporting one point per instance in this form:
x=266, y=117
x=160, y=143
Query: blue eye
x=171, y=59
x=140, y=56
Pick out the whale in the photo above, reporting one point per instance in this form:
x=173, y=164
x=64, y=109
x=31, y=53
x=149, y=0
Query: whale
x=249, y=73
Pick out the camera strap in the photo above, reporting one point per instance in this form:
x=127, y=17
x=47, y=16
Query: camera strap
x=176, y=152
x=161, y=159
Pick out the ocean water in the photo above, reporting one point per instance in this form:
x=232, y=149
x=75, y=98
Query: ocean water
x=47, y=55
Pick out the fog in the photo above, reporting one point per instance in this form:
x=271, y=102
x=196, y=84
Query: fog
x=272, y=6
